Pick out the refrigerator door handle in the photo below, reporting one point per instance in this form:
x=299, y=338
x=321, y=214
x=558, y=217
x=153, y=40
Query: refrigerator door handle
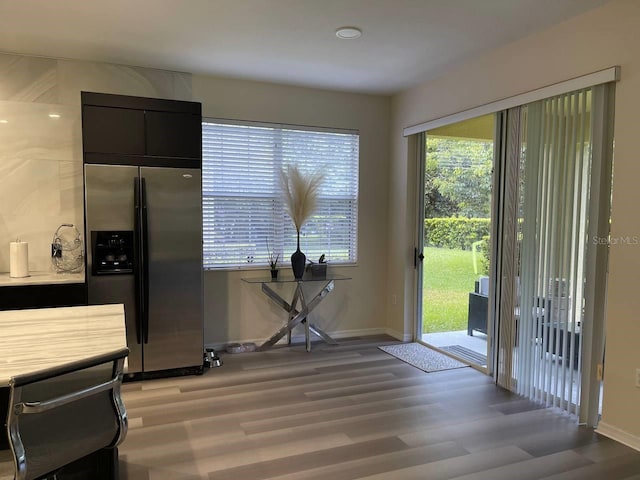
x=136, y=253
x=145, y=264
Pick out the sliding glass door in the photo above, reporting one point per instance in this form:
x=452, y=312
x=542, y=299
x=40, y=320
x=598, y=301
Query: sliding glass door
x=513, y=238
x=456, y=238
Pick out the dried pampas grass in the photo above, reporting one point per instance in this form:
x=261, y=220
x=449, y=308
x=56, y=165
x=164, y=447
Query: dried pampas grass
x=300, y=193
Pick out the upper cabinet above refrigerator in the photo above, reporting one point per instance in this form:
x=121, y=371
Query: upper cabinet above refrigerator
x=172, y=134
x=113, y=130
x=124, y=125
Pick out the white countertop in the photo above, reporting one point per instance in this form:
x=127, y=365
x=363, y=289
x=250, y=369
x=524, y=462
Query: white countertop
x=38, y=339
x=41, y=278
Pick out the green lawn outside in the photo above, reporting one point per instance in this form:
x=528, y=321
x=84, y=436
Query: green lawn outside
x=448, y=279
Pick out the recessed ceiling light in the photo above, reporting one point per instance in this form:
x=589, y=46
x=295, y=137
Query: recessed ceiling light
x=348, y=33
x=54, y=115
x=4, y=121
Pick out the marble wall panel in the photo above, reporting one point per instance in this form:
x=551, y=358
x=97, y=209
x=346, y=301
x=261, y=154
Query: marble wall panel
x=37, y=197
x=29, y=186
x=182, y=86
x=71, y=192
x=41, y=172
x=27, y=131
x=5, y=238
x=28, y=79
x=75, y=77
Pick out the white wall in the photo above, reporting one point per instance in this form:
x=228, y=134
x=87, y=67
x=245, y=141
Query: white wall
x=236, y=311
x=596, y=40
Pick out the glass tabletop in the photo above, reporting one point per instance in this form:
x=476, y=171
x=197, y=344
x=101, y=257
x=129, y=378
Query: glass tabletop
x=288, y=278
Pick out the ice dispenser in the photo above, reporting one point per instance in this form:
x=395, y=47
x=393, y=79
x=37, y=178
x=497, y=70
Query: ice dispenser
x=112, y=252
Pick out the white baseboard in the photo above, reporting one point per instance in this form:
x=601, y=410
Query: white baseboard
x=221, y=347
x=618, y=435
x=218, y=347
x=403, y=337
x=363, y=332
x=299, y=338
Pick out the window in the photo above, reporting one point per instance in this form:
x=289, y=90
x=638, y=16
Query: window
x=243, y=210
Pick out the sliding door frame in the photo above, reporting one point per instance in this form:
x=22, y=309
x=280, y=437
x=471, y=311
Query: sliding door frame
x=421, y=158
x=421, y=161
x=611, y=74
x=597, y=262
x=497, y=229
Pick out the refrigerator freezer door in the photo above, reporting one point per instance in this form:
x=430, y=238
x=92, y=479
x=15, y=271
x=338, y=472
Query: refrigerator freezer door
x=109, y=191
x=174, y=250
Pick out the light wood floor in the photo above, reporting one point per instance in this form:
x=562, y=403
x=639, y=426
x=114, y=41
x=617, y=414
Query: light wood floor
x=352, y=412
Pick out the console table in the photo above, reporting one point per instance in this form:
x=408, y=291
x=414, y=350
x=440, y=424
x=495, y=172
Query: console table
x=297, y=315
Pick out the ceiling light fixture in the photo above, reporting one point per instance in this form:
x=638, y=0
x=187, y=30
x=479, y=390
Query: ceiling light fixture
x=4, y=121
x=54, y=115
x=348, y=33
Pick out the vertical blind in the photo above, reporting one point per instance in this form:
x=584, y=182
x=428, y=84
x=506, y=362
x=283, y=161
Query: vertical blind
x=244, y=217
x=507, y=264
x=552, y=153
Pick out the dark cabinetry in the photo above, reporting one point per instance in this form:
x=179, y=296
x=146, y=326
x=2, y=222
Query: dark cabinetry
x=4, y=407
x=43, y=296
x=171, y=134
x=136, y=126
x=113, y=130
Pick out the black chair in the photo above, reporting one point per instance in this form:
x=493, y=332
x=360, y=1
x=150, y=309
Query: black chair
x=58, y=416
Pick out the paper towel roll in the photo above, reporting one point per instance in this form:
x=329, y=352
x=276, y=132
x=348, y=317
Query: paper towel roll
x=18, y=259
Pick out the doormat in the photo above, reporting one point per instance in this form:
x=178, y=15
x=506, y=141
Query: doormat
x=466, y=354
x=422, y=357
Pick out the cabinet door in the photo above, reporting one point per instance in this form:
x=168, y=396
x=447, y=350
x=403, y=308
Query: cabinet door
x=19, y=297
x=173, y=134
x=112, y=130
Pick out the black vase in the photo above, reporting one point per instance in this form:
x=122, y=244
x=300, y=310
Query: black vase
x=298, y=262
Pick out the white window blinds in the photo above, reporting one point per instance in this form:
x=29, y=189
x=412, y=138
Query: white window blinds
x=243, y=211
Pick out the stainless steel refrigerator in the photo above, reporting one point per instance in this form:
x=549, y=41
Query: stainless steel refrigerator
x=144, y=249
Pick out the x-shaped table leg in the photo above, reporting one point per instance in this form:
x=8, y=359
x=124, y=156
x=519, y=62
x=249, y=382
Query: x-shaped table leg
x=298, y=316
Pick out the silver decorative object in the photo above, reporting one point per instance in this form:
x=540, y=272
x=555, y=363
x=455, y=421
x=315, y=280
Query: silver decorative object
x=67, y=249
